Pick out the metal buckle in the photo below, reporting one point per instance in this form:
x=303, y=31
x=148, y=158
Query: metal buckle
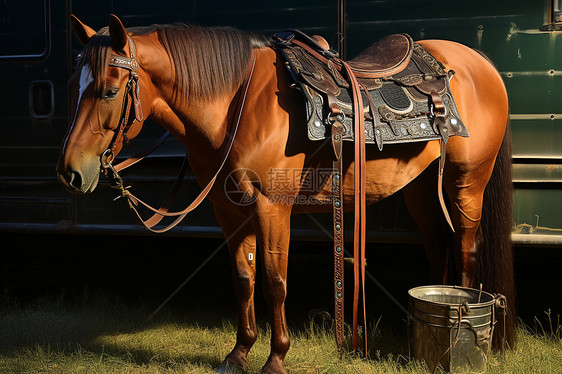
x=106, y=159
x=115, y=180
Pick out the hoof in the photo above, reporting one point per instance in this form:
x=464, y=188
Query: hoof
x=228, y=367
x=269, y=370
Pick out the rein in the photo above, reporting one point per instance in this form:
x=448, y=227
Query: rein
x=131, y=100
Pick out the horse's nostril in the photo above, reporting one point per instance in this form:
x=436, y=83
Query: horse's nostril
x=75, y=179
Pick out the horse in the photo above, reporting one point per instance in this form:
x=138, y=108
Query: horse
x=224, y=91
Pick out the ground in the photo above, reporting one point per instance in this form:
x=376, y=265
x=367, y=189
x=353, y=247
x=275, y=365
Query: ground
x=140, y=273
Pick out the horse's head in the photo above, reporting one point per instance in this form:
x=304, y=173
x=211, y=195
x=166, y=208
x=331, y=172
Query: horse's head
x=105, y=105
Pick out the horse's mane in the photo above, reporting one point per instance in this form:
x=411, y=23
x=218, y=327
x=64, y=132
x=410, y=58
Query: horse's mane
x=96, y=56
x=207, y=60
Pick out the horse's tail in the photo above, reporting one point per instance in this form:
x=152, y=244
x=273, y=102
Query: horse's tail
x=496, y=268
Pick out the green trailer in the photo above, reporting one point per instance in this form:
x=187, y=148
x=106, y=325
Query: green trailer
x=38, y=51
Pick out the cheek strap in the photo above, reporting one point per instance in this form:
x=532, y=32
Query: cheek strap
x=131, y=101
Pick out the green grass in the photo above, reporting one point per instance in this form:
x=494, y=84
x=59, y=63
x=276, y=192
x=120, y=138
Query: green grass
x=104, y=337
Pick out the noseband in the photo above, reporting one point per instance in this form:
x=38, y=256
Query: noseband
x=131, y=100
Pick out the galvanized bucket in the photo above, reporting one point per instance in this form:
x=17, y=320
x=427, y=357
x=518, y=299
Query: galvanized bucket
x=451, y=327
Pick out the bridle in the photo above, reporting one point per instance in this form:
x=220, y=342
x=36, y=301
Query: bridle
x=131, y=101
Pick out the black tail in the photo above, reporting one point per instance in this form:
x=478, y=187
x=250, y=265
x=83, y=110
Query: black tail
x=496, y=272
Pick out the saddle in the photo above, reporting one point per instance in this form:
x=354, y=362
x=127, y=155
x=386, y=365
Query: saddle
x=407, y=88
x=393, y=92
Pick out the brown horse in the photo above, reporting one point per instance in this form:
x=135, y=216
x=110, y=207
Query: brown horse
x=191, y=81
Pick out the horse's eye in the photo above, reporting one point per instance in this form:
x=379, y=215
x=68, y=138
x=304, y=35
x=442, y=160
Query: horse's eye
x=111, y=93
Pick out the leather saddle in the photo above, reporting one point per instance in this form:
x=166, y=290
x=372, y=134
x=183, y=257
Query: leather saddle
x=404, y=87
x=384, y=57
x=388, y=56
x=395, y=91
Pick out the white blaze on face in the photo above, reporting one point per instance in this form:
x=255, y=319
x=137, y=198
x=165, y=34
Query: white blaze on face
x=86, y=78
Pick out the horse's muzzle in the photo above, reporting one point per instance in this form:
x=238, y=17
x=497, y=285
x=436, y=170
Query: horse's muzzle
x=77, y=181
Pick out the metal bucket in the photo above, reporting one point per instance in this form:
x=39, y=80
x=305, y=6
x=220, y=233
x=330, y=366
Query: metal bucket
x=451, y=327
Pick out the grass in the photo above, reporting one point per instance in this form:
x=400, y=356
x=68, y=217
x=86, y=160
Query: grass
x=105, y=337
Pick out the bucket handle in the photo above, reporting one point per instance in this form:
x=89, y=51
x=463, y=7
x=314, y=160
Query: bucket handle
x=500, y=302
x=459, y=308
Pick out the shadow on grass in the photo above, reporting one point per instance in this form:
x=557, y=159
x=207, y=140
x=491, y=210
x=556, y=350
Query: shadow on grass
x=53, y=331
x=94, y=327
x=172, y=339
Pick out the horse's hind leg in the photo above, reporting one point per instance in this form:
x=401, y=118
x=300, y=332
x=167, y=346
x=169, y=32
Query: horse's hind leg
x=465, y=188
x=241, y=242
x=421, y=199
x=466, y=191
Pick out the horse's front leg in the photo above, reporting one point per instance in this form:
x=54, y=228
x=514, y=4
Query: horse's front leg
x=241, y=242
x=272, y=225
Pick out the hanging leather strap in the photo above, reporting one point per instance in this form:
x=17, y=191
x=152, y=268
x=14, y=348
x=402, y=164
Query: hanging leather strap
x=439, y=111
x=337, y=205
x=359, y=214
x=360, y=218
x=142, y=154
x=377, y=125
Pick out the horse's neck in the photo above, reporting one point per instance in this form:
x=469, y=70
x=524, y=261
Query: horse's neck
x=193, y=122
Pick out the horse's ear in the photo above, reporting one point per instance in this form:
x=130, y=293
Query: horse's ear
x=117, y=33
x=83, y=32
